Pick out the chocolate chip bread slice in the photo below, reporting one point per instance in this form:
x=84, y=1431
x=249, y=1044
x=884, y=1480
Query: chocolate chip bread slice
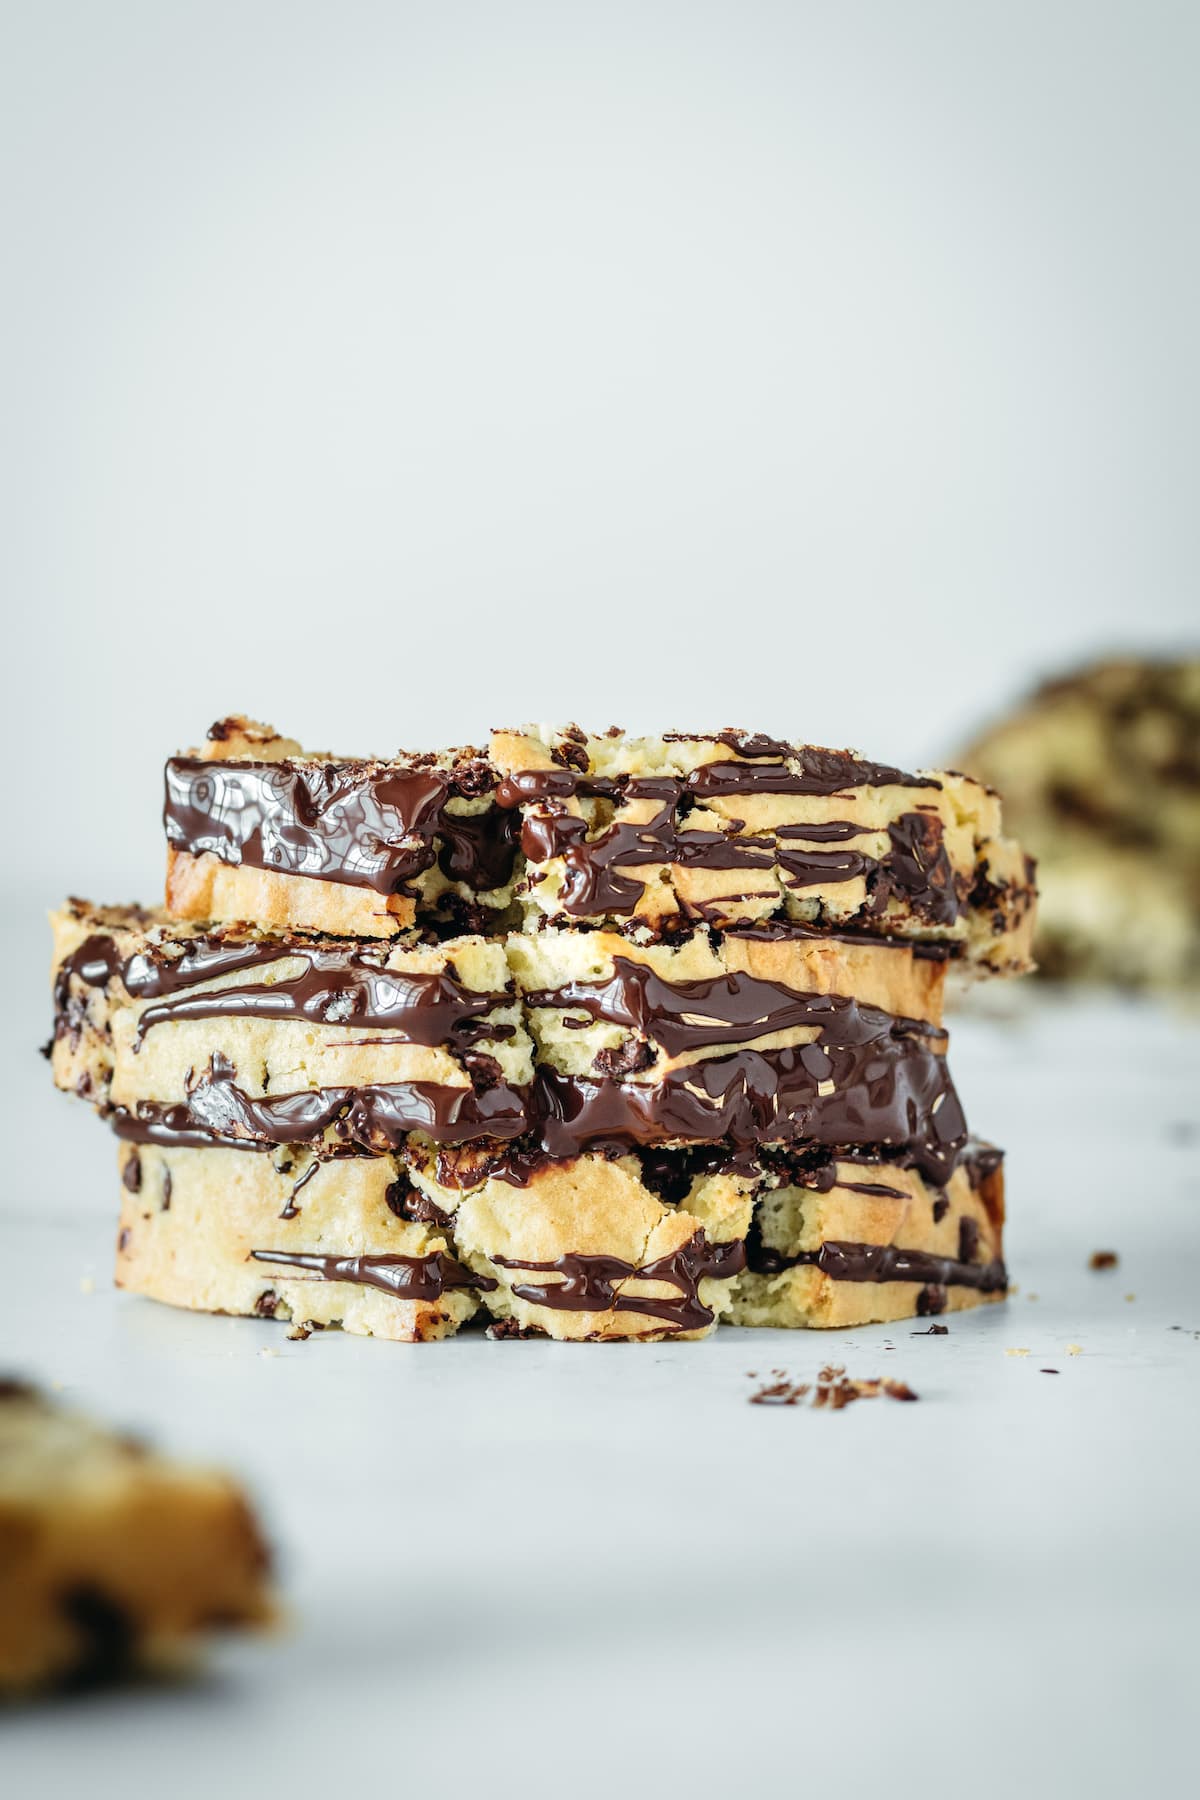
x=568, y=1040
x=111, y=1557
x=649, y=834
x=648, y=1245
x=1101, y=775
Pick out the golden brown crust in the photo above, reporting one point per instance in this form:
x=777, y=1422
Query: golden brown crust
x=204, y=887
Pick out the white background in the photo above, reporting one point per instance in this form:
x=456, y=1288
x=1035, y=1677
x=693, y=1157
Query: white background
x=393, y=371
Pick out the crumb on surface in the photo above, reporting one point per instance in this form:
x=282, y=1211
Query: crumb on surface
x=1074, y=1349
x=1023, y=1351
x=268, y=1350
x=1131, y=1296
x=1103, y=1259
x=1049, y=1371
x=833, y=1390
x=87, y=1284
x=934, y=1330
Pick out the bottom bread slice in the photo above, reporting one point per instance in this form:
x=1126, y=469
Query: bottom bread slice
x=111, y=1557
x=592, y=1247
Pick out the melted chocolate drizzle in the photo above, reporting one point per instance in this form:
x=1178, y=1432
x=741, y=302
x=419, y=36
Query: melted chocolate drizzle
x=424, y=1278
x=678, y=1016
x=879, y=1262
x=362, y=824
x=334, y=987
x=375, y=1118
x=592, y=1283
x=595, y=878
x=337, y=987
x=888, y=1088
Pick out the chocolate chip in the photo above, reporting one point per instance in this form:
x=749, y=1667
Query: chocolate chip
x=106, y=1635
x=629, y=1058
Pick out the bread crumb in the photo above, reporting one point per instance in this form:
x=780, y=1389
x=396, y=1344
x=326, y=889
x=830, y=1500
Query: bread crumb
x=1074, y=1349
x=1024, y=1352
x=1131, y=1296
x=268, y=1350
x=833, y=1389
x=87, y=1284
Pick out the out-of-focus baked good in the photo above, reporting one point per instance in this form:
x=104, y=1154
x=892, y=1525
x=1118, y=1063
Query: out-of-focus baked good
x=1100, y=772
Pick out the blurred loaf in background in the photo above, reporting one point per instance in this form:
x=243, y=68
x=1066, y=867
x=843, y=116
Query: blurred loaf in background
x=1100, y=774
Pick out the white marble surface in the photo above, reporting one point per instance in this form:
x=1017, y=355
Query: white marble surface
x=521, y=1568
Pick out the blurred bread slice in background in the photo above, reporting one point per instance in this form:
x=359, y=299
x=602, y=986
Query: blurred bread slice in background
x=1100, y=776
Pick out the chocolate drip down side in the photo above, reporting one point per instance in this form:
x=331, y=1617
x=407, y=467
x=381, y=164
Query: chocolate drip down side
x=336, y=987
x=424, y=1278
x=595, y=878
x=679, y=1016
x=895, y=1093
x=333, y=987
x=360, y=824
x=878, y=1262
x=596, y=1283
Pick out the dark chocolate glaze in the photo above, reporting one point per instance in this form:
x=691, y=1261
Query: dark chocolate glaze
x=890, y=1087
x=815, y=771
x=365, y=825
x=335, y=986
x=868, y=1078
x=217, y=1111
x=405, y=1277
x=879, y=1262
x=338, y=987
x=595, y=879
x=592, y=1283
x=94, y=964
x=678, y=1016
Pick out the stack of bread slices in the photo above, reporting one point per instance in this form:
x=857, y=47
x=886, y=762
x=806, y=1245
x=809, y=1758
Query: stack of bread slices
x=582, y=1036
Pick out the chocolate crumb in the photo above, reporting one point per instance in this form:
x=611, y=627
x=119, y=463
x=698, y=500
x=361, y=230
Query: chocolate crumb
x=1103, y=1259
x=502, y=1329
x=266, y=1304
x=1049, y=1371
x=629, y=1058
x=934, y=1330
x=833, y=1390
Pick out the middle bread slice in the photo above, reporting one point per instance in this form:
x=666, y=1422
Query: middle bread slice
x=565, y=1041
